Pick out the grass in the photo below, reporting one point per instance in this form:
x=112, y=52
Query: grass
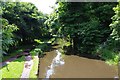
x=37, y=51
x=0, y=74
x=13, y=69
x=34, y=69
x=15, y=52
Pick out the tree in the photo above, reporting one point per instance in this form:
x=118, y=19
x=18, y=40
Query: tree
x=21, y=24
x=85, y=24
x=28, y=19
x=115, y=27
x=7, y=34
x=53, y=24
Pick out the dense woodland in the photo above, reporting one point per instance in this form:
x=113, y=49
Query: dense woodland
x=89, y=28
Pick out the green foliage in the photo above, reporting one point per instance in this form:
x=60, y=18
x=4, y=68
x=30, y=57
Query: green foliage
x=36, y=51
x=47, y=41
x=7, y=34
x=28, y=19
x=17, y=51
x=115, y=26
x=113, y=42
x=21, y=24
x=44, y=46
x=62, y=42
x=110, y=56
x=12, y=54
x=38, y=41
x=85, y=24
x=53, y=24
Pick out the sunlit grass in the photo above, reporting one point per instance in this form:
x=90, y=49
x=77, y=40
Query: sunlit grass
x=34, y=69
x=0, y=74
x=13, y=69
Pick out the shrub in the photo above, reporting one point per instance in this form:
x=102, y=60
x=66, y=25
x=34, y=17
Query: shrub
x=7, y=34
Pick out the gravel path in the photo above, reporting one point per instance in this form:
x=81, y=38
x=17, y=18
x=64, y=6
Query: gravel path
x=27, y=67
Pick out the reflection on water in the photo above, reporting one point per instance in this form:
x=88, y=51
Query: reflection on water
x=74, y=67
x=80, y=67
x=57, y=61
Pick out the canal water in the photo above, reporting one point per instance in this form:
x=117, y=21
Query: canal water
x=52, y=65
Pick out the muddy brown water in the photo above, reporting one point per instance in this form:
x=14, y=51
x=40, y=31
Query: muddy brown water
x=77, y=67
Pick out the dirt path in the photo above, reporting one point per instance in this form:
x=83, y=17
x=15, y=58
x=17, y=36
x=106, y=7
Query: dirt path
x=27, y=67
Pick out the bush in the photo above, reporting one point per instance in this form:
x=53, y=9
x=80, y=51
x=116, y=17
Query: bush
x=7, y=34
x=107, y=54
x=36, y=51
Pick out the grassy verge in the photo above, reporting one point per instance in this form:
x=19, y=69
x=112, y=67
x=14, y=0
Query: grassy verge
x=39, y=50
x=0, y=74
x=13, y=69
x=16, y=52
x=34, y=53
x=34, y=69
